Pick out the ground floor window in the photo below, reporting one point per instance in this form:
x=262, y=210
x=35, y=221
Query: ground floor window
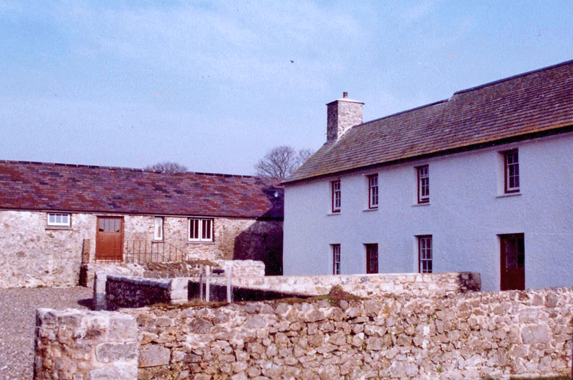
x=371, y=258
x=425, y=255
x=59, y=219
x=335, y=258
x=200, y=229
x=158, y=228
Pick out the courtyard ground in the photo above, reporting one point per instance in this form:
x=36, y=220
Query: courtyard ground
x=18, y=321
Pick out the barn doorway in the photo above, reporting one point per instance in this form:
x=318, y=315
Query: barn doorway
x=109, y=239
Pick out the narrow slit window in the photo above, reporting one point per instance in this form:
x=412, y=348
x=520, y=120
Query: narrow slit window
x=336, y=196
x=335, y=258
x=423, y=184
x=511, y=163
x=373, y=191
x=425, y=255
x=158, y=230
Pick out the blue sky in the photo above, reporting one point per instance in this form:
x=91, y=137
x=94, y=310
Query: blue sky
x=214, y=85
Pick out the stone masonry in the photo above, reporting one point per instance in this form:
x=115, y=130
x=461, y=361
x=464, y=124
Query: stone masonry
x=493, y=335
x=465, y=336
x=80, y=345
x=342, y=114
x=34, y=254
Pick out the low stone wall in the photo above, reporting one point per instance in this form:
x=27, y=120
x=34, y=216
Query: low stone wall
x=122, y=291
x=75, y=344
x=243, y=268
x=368, y=285
x=239, y=268
x=494, y=335
x=132, y=294
x=466, y=336
x=127, y=291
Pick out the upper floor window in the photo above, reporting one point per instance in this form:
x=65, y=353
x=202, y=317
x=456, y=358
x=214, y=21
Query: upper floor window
x=425, y=256
x=158, y=228
x=59, y=219
x=200, y=229
x=423, y=184
x=335, y=258
x=511, y=169
x=336, y=196
x=373, y=191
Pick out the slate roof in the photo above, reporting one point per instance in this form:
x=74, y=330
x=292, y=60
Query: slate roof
x=520, y=107
x=80, y=188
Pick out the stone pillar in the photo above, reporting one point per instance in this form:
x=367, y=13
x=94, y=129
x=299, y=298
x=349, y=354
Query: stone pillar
x=99, y=302
x=85, y=345
x=179, y=290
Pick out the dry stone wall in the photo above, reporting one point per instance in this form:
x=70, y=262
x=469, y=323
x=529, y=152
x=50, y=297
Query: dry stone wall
x=130, y=291
x=368, y=285
x=494, y=335
x=80, y=345
x=466, y=336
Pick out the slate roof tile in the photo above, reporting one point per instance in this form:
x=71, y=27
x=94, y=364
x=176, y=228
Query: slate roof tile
x=522, y=106
x=78, y=188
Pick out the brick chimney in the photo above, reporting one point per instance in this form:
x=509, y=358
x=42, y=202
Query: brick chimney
x=343, y=114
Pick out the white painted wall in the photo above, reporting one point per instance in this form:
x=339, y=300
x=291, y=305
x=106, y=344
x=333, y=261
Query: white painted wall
x=466, y=213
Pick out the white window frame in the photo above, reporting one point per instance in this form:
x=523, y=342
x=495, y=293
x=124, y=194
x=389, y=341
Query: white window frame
x=373, y=193
x=158, y=228
x=203, y=228
x=336, y=259
x=336, y=189
x=425, y=254
x=59, y=219
x=511, y=171
x=423, y=173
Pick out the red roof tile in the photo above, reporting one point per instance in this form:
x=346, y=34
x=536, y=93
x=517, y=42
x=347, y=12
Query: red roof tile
x=522, y=106
x=80, y=188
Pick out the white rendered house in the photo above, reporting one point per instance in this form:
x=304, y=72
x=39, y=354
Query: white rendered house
x=480, y=182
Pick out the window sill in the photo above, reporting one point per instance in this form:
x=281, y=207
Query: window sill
x=333, y=213
x=65, y=228
x=370, y=209
x=200, y=242
x=508, y=195
x=421, y=204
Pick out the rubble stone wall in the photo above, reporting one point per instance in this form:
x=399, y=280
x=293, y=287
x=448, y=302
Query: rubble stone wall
x=464, y=336
x=129, y=291
x=368, y=285
x=495, y=335
x=34, y=254
x=73, y=344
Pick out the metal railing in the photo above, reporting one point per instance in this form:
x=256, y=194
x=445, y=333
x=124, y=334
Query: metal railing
x=141, y=251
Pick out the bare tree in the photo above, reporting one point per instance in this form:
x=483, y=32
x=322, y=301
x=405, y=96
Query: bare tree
x=167, y=167
x=281, y=161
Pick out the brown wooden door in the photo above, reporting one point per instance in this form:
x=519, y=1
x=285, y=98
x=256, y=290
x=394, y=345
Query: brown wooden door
x=512, y=262
x=109, y=239
x=371, y=258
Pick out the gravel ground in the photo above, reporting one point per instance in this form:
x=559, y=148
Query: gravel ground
x=18, y=321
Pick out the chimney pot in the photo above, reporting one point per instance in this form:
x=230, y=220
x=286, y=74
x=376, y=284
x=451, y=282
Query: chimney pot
x=345, y=95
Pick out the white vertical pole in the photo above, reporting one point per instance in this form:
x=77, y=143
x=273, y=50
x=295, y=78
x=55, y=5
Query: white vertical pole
x=229, y=284
x=201, y=283
x=207, y=283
